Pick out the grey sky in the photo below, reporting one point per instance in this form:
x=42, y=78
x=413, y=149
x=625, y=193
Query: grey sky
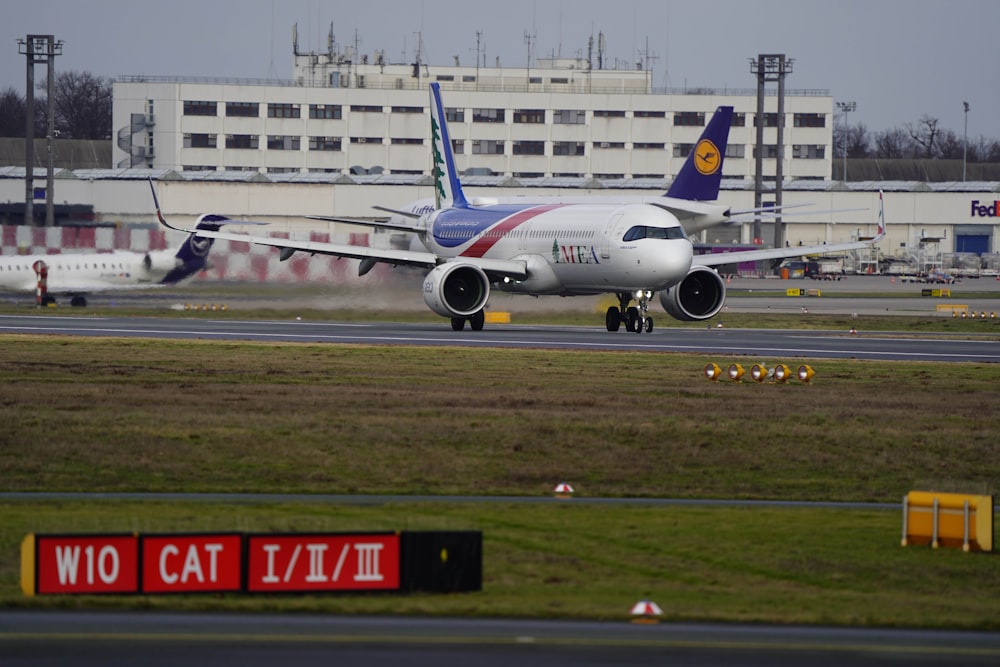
x=898, y=59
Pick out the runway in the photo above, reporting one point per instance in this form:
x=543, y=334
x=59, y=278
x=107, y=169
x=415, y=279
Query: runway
x=724, y=343
x=116, y=638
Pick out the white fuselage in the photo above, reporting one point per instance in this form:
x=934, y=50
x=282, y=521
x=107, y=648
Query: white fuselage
x=569, y=248
x=79, y=272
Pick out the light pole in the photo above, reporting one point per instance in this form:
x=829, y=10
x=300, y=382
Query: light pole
x=965, y=139
x=846, y=107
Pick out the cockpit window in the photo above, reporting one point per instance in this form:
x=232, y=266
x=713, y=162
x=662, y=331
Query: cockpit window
x=644, y=232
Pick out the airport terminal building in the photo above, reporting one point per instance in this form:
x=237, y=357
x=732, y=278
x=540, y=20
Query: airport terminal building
x=559, y=119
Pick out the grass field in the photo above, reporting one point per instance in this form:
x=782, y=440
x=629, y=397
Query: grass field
x=135, y=415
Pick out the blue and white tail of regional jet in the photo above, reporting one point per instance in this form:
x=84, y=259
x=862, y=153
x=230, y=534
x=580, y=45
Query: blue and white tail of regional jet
x=629, y=248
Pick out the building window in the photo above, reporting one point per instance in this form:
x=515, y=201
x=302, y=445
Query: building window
x=458, y=147
x=770, y=151
x=406, y=141
x=366, y=108
x=407, y=109
x=242, y=141
x=683, y=150
x=689, y=119
x=244, y=109
x=568, y=148
x=558, y=79
x=809, y=120
x=569, y=117
x=454, y=115
x=736, y=150
x=529, y=148
x=739, y=119
x=200, y=141
x=325, y=111
x=366, y=140
x=650, y=176
x=200, y=108
x=468, y=78
x=277, y=142
x=609, y=144
x=607, y=113
x=534, y=79
x=198, y=167
x=770, y=120
x=809, y=151
x=324, y=143
x=488, y=116
x=487, y=147
x=528, y=174
x=650, y=114
x=609, y=177
x=534, y=116
x=284, y=111
x=444, y=77
x=644, y=145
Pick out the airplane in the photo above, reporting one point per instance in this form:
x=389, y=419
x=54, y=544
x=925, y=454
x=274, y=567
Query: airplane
x=631, y=250
x=77, y=274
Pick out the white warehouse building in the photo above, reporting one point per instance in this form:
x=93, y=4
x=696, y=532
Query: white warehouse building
x=560, y=119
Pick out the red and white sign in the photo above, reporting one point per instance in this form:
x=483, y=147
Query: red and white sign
x=332, y=562
x=191, y=563
x=87, y=564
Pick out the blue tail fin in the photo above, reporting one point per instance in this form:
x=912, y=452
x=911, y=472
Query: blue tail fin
x=447, y=187
x=192, y=256
x=699, y=178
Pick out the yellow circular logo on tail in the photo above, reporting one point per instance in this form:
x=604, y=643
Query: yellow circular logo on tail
x=707, y=159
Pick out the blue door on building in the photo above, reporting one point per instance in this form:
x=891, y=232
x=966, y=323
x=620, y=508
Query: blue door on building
x=977, y=243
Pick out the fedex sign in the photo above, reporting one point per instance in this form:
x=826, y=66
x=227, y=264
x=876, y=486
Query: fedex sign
x=985, y=211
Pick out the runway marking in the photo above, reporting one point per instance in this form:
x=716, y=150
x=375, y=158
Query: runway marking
x=423, y=639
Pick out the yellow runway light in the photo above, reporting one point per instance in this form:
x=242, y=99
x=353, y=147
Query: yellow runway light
x=735, y=372
x=712, y=371
x=758, y=372
x=782, y=373
x=805, y=373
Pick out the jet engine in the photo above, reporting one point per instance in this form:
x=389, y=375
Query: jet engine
x=456, y=290
x=699, y=296
x=160, y=262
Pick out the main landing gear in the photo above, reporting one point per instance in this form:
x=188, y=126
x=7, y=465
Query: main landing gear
x=635, y=318
x=476, y=322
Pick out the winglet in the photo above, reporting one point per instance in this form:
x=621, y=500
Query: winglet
x=159, y=215
x=699, y=178
x=447, y=187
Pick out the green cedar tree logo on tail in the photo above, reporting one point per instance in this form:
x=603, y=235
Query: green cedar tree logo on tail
x=439, y=193
x=555, y=251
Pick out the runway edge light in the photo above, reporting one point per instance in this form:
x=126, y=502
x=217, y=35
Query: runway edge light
x=782, y=373
x=735, y=372
x=758, y=372
x=805, y=373
x=712, y=371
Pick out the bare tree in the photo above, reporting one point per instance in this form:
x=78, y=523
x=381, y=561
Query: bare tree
x=925, y=134
x=950, y=146
x=893, y=144
x=858, y=142
x=82, y=105
x=12, y=110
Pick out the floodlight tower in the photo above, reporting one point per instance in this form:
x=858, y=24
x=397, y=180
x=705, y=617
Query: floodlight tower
x=38, y=49
x=770, y=67
x=965, y=139
x=846, y=107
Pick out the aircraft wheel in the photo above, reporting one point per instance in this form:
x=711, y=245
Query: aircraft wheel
x=649, y=325
x=478, y=320
x=613, y=319
x=632, y=321
x=457, y=323
x=78, y=301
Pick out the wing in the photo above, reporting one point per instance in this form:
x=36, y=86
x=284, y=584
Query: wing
x=495, y=268
x=715, y=259
x=402, y=221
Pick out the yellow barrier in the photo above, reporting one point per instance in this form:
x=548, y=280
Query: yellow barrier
x=948, y=520
x=497, y=318
x=794, y=291
x=952, y=308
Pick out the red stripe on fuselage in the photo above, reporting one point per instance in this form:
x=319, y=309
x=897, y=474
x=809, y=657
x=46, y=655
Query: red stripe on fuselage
x=482, y=245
